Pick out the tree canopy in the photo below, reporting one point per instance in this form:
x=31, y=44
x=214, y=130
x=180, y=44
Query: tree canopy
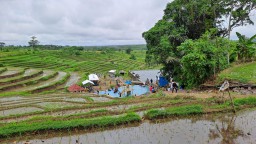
x=33, y=42
x=189, y=20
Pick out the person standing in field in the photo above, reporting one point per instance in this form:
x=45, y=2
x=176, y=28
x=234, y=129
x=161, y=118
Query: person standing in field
x=174, y=87
x=151, y=81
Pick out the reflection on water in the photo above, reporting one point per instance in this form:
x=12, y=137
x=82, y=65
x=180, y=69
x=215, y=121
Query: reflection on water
x=221, y=128
x=227, y=131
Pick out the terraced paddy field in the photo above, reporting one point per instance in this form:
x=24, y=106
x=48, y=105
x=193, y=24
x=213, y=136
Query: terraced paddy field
x=26, y=81
x=80, y=117
x=35, y=108
x=87, y=61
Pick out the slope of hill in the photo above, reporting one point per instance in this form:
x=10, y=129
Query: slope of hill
x=243, y=73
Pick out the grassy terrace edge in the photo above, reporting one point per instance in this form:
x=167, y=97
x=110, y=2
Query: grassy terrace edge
x=102, y=122
x=174, y=111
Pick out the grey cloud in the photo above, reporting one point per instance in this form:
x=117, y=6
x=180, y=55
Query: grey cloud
x=78, y=22
x=65, y=21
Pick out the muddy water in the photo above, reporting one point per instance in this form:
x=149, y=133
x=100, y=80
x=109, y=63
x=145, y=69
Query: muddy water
x=29, y=72
x=196, y=130
x=100, y=99
x=8, y=72
x=19, y=111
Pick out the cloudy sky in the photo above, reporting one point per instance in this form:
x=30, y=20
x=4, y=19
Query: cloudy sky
x=82, y=22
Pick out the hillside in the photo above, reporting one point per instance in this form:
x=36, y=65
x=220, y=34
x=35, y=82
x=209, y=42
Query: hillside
x=243, y=73
x=83, y=61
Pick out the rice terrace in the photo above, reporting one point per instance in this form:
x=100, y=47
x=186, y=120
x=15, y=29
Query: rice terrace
x=170, y=72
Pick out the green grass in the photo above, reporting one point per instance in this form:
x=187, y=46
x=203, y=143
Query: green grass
x=244, y=73
x=102, y=122
x=174, y=111
x=245, y=101
x=89, y=99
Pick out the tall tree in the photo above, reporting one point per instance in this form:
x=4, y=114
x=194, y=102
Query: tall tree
x=33, y=42
x=189, y=19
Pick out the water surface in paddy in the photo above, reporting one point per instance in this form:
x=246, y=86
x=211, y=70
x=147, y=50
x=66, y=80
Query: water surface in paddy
x=21, y=110
x=219, y=128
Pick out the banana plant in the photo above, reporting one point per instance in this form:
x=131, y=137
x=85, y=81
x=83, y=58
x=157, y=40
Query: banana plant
x=246, y=47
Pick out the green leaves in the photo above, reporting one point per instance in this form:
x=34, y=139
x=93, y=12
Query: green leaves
x=246, y=48
x=202, y=59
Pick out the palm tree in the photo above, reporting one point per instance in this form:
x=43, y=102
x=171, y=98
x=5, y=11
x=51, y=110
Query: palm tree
x=246, y=47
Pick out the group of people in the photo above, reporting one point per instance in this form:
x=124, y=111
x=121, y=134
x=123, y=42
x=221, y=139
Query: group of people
x=172, y=85
x=152, y=89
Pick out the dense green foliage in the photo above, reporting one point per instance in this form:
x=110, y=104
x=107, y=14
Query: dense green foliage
x=246, y=48
x=203, y=58
x=175, y=111
x=189, y=20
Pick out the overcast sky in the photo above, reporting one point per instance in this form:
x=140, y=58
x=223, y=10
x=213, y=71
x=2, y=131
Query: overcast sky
x=82, y=22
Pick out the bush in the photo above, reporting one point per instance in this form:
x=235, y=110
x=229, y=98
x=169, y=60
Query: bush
x=133, y=57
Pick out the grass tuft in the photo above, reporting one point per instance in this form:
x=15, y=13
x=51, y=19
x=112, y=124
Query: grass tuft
x=174, y=111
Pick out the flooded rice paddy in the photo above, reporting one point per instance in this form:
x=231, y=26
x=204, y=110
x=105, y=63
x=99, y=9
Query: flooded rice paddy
x=219, y=128
x=20, y=110
x=8, y=72
x=74, y=77
x=100, y=99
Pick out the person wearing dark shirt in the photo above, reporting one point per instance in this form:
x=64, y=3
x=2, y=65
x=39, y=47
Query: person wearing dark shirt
x=174, y=86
